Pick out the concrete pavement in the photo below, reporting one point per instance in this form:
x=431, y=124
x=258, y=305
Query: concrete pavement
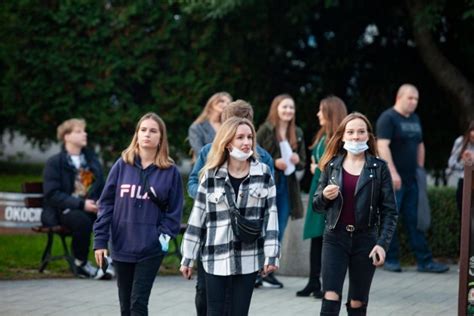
x=407, y=293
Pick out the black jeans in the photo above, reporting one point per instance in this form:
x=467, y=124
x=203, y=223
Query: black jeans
x=134, y=282
x=238, y=287
x=343, y=250
x=201, y=299
x=80, y=223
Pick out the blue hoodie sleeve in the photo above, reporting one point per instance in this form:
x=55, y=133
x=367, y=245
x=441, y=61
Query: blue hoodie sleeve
x=171, y=222
x=193, y=180
x=106, y=209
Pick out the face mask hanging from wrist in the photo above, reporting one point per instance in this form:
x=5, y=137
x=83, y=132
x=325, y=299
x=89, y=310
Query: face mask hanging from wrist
x=355, y=147
x=239, y=155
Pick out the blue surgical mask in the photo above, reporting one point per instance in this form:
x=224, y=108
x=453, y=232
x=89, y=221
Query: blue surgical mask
x=355, y=147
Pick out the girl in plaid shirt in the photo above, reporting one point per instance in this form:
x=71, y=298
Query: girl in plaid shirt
x=229, y=263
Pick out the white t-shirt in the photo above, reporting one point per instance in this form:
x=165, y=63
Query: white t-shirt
x=286, y=153
x=76, y=161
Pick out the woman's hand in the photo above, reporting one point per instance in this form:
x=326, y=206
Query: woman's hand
x=313, y=165
x=331, y=191
x=186, y=272
x=377, y=255
x=269, y=268
x=99, y=255
x=468, y=157
x=295, y=159
x=280, y=164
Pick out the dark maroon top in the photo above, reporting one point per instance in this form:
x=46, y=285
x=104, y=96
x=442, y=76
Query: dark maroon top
x=349, y=183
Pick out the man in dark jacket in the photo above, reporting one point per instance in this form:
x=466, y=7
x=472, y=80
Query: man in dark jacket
x=72, y=183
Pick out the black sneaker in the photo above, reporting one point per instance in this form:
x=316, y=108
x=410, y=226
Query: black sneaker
x=86, y=270
x=258, y=281
x=271, y=282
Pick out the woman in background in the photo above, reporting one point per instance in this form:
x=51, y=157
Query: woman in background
x=280, y=136
x=332, y=111
x=203, y=130
x=141, y=207
x=461, y=154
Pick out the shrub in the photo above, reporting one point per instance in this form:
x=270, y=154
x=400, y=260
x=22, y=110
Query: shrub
x=443, y=235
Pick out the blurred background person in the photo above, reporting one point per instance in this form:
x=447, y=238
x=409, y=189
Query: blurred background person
x=283, y=140
x=72, y=183
x=462, y=154
x=204, y=128
x=280, y=137
x=332, y=111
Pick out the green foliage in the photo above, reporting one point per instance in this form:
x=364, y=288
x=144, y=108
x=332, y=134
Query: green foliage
x=112, y=62
x=443, y=235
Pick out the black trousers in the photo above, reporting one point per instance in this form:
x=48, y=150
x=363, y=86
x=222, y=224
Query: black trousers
x=315, y=257
x=344, y=251
x=239, y=288
x=134, y=282
x=80, y=223
x=201, y=298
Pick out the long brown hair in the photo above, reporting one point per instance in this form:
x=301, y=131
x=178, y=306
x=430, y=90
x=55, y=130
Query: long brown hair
x=335, y=145
x=206, y=112
x=162, y=158
x=334, y=110
x=466, y=139
x=226, y=133
x=274, y=120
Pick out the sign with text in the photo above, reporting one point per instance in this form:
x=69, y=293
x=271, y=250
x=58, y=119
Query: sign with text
x=15, y=216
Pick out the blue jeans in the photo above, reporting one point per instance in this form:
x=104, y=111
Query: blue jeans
x=344, y=251
x=283, y=203
x=134, y=281
x=407, y=202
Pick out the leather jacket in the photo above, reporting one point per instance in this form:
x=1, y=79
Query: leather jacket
x=375, y=205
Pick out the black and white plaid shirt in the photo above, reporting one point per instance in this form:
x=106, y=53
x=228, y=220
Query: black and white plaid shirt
x=209, y=231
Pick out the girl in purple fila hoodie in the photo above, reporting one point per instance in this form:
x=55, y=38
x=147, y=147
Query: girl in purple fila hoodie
x=139, y=210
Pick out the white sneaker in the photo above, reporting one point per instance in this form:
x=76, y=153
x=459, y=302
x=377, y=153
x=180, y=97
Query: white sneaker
x=86, y=270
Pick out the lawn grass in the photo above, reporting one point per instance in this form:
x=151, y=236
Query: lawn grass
x=21, y=254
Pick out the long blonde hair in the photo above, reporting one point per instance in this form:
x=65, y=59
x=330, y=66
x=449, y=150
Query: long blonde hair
x=334, y=110
x=226, y=133
x=274, y=120
x=162, y=158
x=206, y=112
x=335, y=145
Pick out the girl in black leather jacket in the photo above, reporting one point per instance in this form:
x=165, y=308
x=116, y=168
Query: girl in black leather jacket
x=355, y=192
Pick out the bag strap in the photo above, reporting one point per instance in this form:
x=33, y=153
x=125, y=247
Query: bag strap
x=230, y=200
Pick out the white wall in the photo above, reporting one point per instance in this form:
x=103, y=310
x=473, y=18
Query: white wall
x=19, y=149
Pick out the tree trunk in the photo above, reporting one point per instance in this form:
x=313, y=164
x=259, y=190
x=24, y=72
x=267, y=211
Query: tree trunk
x=448, y=76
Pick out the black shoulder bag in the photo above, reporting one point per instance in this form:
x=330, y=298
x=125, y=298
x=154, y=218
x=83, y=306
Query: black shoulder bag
x=246, y=230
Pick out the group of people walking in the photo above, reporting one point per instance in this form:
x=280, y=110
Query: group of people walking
x=245, y=189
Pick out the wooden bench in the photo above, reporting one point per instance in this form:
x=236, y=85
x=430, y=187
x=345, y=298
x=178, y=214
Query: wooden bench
x=62, y=232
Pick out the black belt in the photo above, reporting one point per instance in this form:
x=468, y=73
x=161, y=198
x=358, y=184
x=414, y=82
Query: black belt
x=353, y=229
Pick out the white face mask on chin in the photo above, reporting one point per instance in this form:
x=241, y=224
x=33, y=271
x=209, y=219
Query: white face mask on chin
x=355, y=147
x=239, y=155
